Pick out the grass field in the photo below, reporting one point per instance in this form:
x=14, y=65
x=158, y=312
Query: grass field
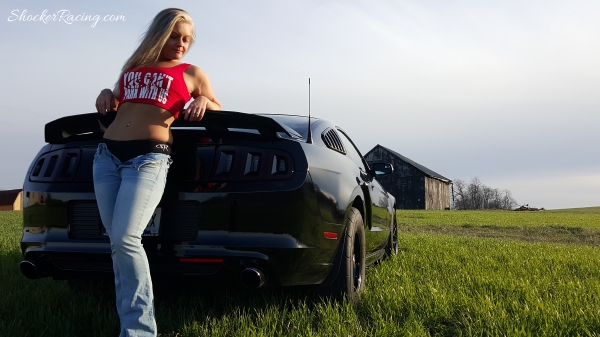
x=579, y=225
x=491, y=273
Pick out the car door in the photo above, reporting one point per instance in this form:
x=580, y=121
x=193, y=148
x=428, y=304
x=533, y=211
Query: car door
x=379, y=227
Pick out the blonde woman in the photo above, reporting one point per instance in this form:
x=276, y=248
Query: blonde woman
x=131, y=163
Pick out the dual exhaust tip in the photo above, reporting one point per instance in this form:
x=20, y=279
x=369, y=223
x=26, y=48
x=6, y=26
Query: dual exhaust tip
x=252, y=278
x=32, y=271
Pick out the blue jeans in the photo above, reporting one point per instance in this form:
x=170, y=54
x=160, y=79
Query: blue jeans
x=127, y=195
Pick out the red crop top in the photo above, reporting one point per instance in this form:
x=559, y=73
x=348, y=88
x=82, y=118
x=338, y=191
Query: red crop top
x=163, y=87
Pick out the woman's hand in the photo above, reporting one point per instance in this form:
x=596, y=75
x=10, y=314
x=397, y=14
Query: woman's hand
x=195, y=111
x=106, y=101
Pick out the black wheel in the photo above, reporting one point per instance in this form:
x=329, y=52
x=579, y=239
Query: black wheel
x=350, y=281
x=392, y=246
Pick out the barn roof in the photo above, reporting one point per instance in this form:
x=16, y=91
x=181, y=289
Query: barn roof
x=8, y=197
x=420, y=167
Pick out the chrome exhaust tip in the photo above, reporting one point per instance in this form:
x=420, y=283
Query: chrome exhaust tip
x=252, y=278
x=30, y=270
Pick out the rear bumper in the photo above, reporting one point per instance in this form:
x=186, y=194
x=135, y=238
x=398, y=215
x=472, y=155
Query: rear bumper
x=283, y=260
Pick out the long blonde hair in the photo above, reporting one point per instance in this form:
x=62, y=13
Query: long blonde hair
x=159, y=30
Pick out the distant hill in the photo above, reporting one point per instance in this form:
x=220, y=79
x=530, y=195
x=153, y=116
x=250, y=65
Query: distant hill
x=595, y=210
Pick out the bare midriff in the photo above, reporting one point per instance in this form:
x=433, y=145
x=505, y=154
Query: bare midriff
x=138, y=121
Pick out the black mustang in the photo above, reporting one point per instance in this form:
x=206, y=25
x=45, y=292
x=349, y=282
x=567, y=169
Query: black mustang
x=251, y=199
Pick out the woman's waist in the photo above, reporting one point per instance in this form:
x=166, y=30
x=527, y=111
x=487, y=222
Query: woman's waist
x=135, y=121
x=138, y=132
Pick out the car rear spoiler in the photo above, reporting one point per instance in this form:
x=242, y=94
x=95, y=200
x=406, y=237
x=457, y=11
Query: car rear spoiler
x=93, y=125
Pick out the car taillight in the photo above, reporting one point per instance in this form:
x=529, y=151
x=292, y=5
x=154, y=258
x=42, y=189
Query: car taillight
x=59, y=165
x=279, y=166
x=252, y=163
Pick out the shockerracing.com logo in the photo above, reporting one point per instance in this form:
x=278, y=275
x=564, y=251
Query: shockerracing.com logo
x=63, y=15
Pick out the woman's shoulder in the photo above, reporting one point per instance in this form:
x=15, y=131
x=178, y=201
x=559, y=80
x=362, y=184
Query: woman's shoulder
x=193, y=69
x=195, y=72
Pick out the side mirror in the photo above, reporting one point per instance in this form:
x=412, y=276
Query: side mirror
x=381, y=169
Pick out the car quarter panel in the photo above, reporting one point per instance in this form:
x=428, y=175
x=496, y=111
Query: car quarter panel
x=334, y=180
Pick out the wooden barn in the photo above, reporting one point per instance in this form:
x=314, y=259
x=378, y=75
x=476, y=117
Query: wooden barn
x=413, y=185
x=11, y=200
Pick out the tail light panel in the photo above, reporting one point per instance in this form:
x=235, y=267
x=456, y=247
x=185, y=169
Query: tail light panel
x=217, y=164
x=234, y=163
x=59, y=165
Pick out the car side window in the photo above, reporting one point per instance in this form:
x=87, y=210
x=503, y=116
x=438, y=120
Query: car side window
x=351, y=151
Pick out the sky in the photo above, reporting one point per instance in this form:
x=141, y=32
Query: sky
x=508, y=92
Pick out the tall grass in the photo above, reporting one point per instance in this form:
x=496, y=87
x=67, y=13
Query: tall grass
x=468, y=286
x=439, y=285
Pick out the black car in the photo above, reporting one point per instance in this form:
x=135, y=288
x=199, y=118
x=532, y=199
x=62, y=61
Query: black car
x=251, y=199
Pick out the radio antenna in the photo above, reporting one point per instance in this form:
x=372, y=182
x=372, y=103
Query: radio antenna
x=309, y=140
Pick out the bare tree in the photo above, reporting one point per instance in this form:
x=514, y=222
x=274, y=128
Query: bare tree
x=507, y=200
x=476, y=195
x=459, y=194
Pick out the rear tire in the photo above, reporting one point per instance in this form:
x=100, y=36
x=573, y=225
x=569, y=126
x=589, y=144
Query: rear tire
x=392, y=246
x=350, y=281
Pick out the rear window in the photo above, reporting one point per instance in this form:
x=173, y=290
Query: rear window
x=296, y=123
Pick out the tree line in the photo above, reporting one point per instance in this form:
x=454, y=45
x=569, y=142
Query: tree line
x=476, y=195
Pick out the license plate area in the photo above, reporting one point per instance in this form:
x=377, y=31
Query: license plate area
x=153, y=226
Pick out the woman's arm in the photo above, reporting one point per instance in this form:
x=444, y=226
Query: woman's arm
x=202, y=92
x=107, y=100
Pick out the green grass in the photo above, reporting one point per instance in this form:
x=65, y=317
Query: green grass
x=441, y=284
x=468, y=286
x=578, y=218
x=581, y=226
x=589, y=210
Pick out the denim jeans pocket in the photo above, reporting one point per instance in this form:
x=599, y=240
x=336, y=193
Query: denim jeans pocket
x=102, y=154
